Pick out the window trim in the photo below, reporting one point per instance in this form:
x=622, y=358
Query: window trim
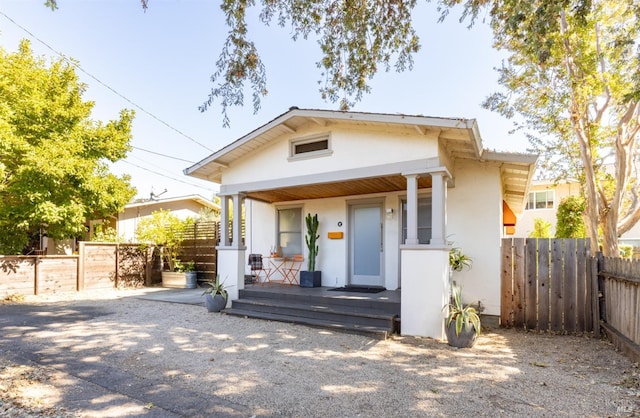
x=535, y=192
x=308, y=140
x=277, y=229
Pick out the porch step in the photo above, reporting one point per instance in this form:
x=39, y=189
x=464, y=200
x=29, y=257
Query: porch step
x=365, y=316
x=369, y=331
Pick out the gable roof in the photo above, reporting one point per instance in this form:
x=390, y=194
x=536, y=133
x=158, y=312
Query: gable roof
x=459, y=137
x=195, y=197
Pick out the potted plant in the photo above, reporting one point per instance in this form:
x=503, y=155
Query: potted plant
x=215, y=295
x=165, y=231
x=189, y=270
x=462, y=324
x=458, y=260
x=311, y=277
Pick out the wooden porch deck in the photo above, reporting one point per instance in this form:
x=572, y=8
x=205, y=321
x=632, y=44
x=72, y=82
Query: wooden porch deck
x=372, y=314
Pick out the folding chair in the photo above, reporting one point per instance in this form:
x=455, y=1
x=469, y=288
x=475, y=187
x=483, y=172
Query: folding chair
x=291, y=272
x=257, y=269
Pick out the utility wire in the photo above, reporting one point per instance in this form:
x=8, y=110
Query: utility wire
x=164, y=175
x=162, y=155
x=76, y=65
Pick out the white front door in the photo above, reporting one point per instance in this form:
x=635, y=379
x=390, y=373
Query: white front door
x=365, y=245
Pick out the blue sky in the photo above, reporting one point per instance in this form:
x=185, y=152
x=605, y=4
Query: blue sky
x=162, y=59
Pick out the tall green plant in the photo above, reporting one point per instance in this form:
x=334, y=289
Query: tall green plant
x=165, y=230
x=311, y=239
x=541, y=229
x=569, y=218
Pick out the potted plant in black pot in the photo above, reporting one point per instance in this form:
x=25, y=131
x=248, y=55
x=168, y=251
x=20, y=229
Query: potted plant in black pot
x=462, y=325
x=311, y=277
x=215, y=295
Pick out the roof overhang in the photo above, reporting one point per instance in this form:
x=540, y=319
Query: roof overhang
x=516, y=172
x=460, y=137
x=197, y=198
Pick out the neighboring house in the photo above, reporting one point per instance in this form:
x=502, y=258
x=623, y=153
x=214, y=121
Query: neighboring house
x=183, y=207
x=399, y=188
x=542, y=202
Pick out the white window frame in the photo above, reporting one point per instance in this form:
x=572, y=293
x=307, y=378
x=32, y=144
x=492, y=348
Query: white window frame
x=278, y=232
x=311, y=154
x=547, y=200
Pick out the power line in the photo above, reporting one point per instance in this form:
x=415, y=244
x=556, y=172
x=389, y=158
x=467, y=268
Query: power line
x=164, y=175
x=162, y=155
x=76, y=65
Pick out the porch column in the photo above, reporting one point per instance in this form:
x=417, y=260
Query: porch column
x=238, y=202
x=438, y=209
x=224, y=221
x=231, y=255
x=412, y=209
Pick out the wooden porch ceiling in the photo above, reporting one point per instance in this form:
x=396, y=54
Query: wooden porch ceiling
x=337, y=189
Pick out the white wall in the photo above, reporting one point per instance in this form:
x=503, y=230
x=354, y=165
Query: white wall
x=351, y=149
x=474, y=210
x=333, y=253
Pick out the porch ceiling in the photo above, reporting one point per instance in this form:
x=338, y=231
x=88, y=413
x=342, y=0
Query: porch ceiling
x=337, y=189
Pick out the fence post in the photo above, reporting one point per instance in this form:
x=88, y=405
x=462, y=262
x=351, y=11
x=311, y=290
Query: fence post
x=597, y=295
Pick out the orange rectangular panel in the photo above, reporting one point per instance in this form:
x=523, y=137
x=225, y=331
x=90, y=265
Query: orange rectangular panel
x=336, y=235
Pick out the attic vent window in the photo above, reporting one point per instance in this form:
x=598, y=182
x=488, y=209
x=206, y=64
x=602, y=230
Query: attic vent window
x=317, y=146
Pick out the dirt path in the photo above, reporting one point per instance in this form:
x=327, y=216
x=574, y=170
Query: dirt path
x=165, y=359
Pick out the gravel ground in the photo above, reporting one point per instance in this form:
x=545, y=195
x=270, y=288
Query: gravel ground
x=277, y=369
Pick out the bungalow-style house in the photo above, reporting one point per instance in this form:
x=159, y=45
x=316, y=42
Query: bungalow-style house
x=183, y=207
x=392, y=192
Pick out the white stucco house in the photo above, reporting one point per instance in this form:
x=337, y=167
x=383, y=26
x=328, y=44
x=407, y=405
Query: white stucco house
x=399, y=188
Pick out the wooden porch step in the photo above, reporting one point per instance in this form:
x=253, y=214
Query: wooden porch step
x=320, y=310
x=370, y=331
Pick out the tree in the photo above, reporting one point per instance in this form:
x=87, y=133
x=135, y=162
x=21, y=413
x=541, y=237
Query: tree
x=541, y=229
x=53, y=157
x=356, y=38
x=572, y=75
x=166, y=231
x=569, y=220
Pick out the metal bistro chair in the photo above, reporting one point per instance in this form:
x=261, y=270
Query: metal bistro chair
x=291, y=272
x=258, y=270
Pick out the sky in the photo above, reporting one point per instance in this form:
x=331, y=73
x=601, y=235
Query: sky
x=158, y=62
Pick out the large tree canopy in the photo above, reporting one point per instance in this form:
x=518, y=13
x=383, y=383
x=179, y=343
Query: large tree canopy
x=356, y=39
x=53, y=157
x=573, y=75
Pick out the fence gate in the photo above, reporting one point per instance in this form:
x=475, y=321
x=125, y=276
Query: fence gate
x=546, y=284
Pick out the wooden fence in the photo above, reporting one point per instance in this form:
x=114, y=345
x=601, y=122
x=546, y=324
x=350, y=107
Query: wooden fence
x=619, y=283
x=96, y=266
x=546, y=285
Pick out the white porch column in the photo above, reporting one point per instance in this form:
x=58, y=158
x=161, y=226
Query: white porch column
x=238, y=201
x=438, y=209
x=231, y=255
x=224, y=221
x=412, y=209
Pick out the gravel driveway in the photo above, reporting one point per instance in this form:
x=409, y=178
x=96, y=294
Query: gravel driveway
x=113, y=354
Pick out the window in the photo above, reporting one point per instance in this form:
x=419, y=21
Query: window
x=316, y=146
x=540, y=200
x=290, y=231
x=424, y=220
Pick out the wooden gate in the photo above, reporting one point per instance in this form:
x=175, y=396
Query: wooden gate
x=547, y=285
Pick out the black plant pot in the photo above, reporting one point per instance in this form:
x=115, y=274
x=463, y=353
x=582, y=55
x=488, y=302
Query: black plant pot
x=310, y=278
x=215, y=303
x=466, y=338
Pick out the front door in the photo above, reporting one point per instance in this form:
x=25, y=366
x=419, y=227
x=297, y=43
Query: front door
x=365, y=245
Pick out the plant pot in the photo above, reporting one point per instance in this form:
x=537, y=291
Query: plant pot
x=310, y=278
x=466, y=339
x=175, y=280
x=191, y=279
x=214, y=303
